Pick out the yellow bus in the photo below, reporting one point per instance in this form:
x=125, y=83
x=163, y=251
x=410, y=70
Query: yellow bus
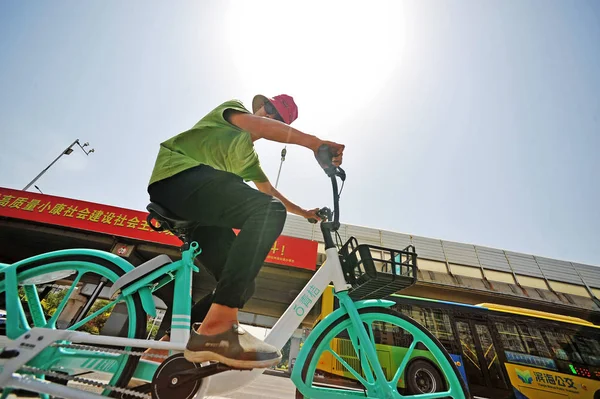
x=501, y=351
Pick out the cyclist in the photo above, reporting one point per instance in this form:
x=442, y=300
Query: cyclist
x=199, y=175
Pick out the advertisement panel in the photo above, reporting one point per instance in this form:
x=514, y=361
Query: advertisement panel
x=533, y=383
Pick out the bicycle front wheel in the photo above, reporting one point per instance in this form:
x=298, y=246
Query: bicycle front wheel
x=413, y=361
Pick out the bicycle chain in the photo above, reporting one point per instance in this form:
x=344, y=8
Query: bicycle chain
x=108, y=350
x=85, y=381
x=65, y=377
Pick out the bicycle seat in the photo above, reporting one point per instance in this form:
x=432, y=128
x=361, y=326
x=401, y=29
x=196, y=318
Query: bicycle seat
x=165, y=217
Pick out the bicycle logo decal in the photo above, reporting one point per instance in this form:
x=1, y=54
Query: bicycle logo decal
x=306, y=300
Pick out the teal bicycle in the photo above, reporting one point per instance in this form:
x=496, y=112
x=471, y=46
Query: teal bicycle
x=70, y=357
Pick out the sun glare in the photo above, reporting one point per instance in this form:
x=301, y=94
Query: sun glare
x=317, y=50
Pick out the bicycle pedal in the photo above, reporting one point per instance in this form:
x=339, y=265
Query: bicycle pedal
x=176, y=377
x=222, y=366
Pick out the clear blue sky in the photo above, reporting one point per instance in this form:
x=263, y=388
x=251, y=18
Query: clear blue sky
x=469, y=121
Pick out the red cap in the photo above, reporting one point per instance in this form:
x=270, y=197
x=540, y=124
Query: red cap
x=283, y=103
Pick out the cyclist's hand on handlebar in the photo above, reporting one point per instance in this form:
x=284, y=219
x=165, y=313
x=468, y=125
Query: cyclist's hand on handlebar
x=311, y=215
x=337, y=150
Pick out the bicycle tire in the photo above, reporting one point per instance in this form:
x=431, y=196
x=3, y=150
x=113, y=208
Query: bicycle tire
x=136, y=316
x=455, y=385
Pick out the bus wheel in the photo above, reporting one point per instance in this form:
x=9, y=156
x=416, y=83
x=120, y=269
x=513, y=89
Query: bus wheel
x=423, y=377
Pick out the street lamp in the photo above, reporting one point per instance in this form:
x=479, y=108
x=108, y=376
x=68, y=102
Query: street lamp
x=82, y=149
x=283, y=153
x=67, y=151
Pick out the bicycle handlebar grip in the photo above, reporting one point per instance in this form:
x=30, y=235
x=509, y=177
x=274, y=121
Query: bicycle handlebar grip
x=324, y=158
x=322, y=213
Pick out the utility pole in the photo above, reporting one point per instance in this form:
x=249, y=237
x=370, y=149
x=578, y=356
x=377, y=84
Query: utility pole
x=67, y=151
x=283, y=152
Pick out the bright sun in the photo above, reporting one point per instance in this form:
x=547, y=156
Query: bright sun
x=317, y=50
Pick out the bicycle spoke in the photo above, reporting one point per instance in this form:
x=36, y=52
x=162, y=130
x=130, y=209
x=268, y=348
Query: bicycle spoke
x=362, y=355
x=371, y=333
x=372, y=341
x=405, y=360
x=371, y=368
x=52, y=322
x=348, y=367
x=34, y=304
x=93, y=315
x=13, y=300
x=23, y=323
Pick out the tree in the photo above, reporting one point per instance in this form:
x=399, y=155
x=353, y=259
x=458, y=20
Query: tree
x=151, y=327
x=285, y=352
x=95, y=325
x=52, y=300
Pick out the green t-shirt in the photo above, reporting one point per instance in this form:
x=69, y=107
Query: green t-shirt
x=212, y=141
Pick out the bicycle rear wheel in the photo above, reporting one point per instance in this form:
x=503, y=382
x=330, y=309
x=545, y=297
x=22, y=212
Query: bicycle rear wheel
x=413, y=361
x=50, y=288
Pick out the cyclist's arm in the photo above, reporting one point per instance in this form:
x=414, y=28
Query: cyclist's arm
x=270, y=129
x=268, y=188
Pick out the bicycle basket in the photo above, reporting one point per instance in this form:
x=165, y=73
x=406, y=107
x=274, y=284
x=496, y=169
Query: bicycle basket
x=376, y=272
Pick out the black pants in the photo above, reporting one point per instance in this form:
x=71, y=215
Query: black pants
x=221, y=201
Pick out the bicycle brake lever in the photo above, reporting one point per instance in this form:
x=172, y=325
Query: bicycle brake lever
x=323, y=213
x=341, y=173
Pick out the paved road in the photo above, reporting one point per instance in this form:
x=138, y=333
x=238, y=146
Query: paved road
x=265, y=387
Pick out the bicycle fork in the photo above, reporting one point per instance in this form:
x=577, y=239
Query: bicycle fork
x=366, y=350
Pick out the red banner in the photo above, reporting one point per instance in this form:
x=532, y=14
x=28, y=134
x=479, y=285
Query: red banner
x=106, y=219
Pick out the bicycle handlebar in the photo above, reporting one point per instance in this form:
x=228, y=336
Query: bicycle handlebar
x=324, y=157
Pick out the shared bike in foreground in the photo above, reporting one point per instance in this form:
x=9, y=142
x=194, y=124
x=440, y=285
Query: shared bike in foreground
x=67, y=356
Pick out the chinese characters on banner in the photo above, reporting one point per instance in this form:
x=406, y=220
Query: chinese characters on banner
x=105, y=219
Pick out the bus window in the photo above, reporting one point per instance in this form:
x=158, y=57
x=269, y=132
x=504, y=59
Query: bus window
x=589, y=349
x=404, y=338
x=388, y=334
x=532, y=337
x=491, y=357
x=414, y=312
x=510, y=337
x=562, y=346
x=442, y=329
x=435, y=320
x=472, y=366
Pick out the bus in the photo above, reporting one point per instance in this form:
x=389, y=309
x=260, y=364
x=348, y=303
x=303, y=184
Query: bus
x=501, y=351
